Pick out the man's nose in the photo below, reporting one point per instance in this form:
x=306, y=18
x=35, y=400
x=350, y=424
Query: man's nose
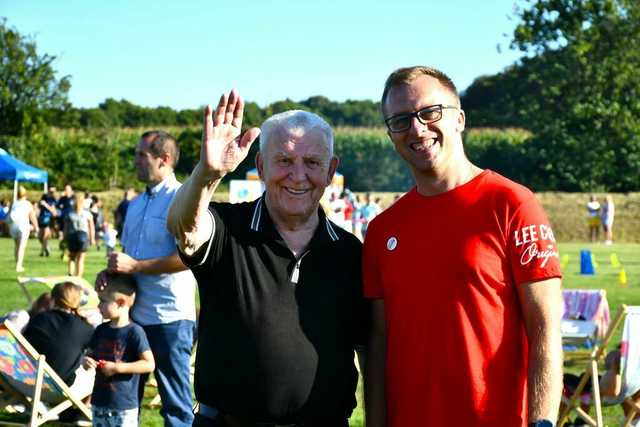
x=297, y=171
x=417, y=127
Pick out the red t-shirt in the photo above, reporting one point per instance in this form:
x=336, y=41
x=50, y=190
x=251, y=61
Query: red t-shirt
x=447, y=268
x=348, y=211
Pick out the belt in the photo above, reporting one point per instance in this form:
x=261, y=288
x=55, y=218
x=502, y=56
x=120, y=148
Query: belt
x=234, y=421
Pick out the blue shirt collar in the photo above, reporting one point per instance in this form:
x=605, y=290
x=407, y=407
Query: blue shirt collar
x=152, y=191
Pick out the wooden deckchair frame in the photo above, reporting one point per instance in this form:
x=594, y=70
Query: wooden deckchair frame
x=39, y=414
x=573, y=403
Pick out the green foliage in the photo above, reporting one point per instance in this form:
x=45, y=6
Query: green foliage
x=91, y=160
x=27, y=84
x=369, y=162
x=113, y=113
x=502, y=99
x=501, y=150
x=99, y=159
x=577, y=91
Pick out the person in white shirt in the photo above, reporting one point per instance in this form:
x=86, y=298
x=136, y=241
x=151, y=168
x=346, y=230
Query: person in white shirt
x=22, y=217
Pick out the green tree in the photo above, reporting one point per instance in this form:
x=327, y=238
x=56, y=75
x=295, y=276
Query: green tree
x=369, y=162
x=28, y=83
x=583, y=55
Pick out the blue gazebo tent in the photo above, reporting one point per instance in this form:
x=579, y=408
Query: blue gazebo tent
x=15, y=170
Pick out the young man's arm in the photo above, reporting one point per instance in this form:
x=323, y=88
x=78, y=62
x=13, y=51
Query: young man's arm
x=375, y=403
x=541, y=303
x=144, y=365
x=120, y=262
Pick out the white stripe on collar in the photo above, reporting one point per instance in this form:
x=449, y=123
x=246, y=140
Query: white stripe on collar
x=257, y=214
x=331, y=231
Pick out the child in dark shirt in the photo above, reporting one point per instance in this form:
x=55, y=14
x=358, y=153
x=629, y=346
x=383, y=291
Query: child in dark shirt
x=120, y=352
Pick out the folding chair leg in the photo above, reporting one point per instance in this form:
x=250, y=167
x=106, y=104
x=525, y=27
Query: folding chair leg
x=634, y=409
x=586, y=417
x=595, y=392
x=35, y=411
x=573, y=403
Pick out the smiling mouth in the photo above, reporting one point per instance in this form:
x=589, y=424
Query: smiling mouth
x=424, y=145
x=296, y=191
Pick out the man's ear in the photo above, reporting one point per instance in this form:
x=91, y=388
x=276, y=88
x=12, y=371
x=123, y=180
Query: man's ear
x=121, y=301
x=166, y=159
x=333, y=167
x=260, y=165
x=460, y=121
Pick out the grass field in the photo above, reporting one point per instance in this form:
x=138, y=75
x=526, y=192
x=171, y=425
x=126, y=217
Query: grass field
x=606, y=277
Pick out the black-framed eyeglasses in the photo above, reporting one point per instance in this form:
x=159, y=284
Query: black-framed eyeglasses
x=426, y=115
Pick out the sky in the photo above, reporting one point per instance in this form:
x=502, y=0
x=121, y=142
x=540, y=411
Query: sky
x=184, y=54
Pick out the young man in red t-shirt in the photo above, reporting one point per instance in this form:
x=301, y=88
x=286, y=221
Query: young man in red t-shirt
x=465, y=278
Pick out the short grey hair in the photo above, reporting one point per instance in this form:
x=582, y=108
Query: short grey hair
x=295, y=121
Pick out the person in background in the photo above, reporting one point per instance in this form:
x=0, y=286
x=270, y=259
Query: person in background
x=79, y=234
x=22, y=218
x=20, y=318
x=356, y=218
x=121, y=211
x=464, y=276
x=88, y=200
x=62, y=336
x=348, y=211
x=119, y=352
x=165, y=304
x=607, y=215
x=336, y=209
x=593, y=218
x=65, y=204
x=4, y=216
x=46, y=219
x=98, y=219
x=110, y=236
x=369, y=211
x=610, y=384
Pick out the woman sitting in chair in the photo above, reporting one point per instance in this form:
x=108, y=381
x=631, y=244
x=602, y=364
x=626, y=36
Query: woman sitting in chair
x=62, y=336
x=610, y=387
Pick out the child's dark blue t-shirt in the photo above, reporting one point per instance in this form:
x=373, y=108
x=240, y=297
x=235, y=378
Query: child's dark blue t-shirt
x=117, y=345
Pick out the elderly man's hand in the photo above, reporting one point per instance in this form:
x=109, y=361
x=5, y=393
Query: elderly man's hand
x=121, y=263
x=223, y=146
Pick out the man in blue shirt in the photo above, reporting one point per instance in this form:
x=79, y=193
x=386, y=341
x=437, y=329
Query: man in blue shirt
x=165, y=306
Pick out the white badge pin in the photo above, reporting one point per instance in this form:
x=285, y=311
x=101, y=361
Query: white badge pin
x=392, y=243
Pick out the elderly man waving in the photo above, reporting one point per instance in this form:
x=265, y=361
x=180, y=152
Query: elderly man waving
x=280, y=285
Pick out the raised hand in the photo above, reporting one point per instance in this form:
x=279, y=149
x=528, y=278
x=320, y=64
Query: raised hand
x=223, y=146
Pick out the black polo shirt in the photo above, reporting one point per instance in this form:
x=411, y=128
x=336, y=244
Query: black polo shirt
x=277, y=334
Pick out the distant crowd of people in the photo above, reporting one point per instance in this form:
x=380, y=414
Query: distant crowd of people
x=351, y=213
x=600, y=215
x=76, y=219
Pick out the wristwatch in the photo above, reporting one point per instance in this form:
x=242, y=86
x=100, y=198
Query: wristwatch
x=541, y=423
